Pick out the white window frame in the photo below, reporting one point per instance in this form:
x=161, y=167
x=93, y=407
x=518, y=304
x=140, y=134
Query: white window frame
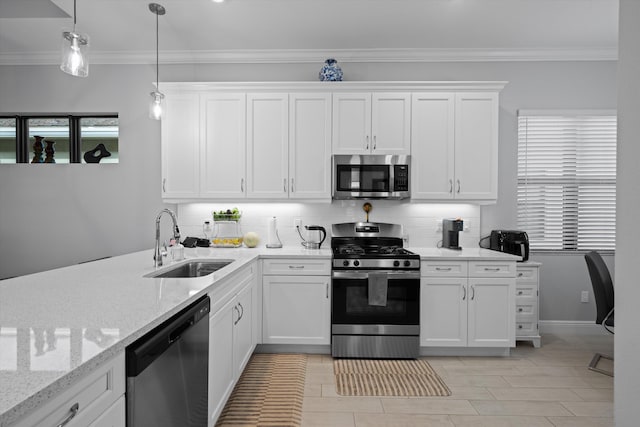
x=566, y=179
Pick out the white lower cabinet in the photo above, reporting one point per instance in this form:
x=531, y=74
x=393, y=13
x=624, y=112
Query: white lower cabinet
x=296, y=302
x=231, y=336
x=527, y=302
x=459, y=310
x=96, y=400
x=115, y=416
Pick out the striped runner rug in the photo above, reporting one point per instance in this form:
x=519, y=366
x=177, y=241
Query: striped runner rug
x=269, y=392
x=383, y=377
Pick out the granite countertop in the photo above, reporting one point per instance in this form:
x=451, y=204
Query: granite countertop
x=58, y=325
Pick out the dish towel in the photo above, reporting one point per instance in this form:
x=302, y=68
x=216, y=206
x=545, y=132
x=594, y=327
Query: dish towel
x=378, y=283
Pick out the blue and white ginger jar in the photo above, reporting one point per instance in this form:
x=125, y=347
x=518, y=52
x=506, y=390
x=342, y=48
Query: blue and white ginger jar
x=331, y=71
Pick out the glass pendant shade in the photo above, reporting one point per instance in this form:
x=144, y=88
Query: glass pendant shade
x=155, y=105
x=75, y=47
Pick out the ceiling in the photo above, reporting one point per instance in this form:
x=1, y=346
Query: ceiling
x=123, y=31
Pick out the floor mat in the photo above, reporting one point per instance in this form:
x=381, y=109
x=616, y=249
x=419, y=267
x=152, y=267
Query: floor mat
x=269, y=392
x=382, y=377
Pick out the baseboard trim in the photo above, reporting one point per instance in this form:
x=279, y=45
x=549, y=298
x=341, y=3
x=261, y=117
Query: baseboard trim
x=571, y=327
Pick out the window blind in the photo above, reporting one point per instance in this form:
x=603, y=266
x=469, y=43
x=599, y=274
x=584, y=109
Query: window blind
x=567, y=179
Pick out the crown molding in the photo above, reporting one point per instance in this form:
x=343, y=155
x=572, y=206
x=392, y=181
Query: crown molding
x=281, y=56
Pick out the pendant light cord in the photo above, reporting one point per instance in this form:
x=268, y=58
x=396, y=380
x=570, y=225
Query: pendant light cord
x=74, y=16
x=157, y=57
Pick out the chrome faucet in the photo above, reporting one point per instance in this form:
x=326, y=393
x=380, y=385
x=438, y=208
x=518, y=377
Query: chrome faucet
x=158, y=255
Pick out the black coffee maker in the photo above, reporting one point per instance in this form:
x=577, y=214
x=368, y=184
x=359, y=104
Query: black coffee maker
x=450, y=230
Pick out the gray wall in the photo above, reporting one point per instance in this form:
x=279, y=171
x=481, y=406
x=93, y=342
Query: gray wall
x=56, y=216
x=627, y=342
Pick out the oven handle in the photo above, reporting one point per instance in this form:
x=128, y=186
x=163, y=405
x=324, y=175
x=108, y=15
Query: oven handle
x=392, y=274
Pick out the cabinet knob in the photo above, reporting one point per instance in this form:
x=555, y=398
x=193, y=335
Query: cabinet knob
x=520, y=309
x=519, y=326
x=520, y=292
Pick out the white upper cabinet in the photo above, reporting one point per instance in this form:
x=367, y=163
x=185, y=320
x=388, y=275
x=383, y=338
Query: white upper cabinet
x=371, y=123
x=476, y=146
x=180, y=142
x=310, y=146
x=454, y=142
x=267, y=145
x=432, y=145
x=222, y=163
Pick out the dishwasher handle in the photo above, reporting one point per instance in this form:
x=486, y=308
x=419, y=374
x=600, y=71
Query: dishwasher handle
x=177, y=332
x=148, y=348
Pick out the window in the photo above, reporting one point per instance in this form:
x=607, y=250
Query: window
x=567, y=179
x=59, y=139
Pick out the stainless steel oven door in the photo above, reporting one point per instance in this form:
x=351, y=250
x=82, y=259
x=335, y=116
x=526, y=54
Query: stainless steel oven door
x=352, y=313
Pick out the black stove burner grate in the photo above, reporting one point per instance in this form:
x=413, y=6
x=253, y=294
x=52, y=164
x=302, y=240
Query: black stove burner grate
x=354, y=249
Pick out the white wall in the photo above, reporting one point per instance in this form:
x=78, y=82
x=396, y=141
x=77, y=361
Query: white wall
x=627, y=342
x=54, y=216
x=419, y=219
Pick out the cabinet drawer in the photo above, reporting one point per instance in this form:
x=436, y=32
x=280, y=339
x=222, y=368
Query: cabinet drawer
x=492, y=268
x=443, y=268
x=526, y=291
x=525, y=309
x=298, y=267
x=527, y=274
x=94, y=394
x=526, y=328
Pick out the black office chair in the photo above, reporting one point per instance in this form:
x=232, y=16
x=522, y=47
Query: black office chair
x=604, y=296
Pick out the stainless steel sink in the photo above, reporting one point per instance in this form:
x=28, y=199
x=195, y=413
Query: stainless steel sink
x=193, y=269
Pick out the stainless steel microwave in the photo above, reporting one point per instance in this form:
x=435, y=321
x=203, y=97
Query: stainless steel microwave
x=371, y=177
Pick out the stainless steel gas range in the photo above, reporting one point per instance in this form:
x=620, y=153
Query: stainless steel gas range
x=375, y=306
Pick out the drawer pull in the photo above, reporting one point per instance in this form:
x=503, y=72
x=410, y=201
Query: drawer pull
x=519, y=326
x=73, y=411
x=492, y=269
x=296, y=267
x=520, y=274
x=520, y=292
x=520, y=309
x=443, y=268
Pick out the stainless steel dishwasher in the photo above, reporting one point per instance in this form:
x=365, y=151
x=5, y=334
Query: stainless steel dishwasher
x=167, y=372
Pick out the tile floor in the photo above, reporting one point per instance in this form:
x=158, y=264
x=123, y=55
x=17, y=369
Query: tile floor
x=547, y=386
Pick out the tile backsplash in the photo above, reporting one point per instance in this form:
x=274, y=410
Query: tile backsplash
x=421, y=221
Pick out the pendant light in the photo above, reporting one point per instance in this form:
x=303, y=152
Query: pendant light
x=75, y=47
x=155, y=106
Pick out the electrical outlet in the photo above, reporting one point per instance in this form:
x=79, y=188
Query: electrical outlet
x=466, y=224
x=438, y=225
x=297, y=222
x=584, y=297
